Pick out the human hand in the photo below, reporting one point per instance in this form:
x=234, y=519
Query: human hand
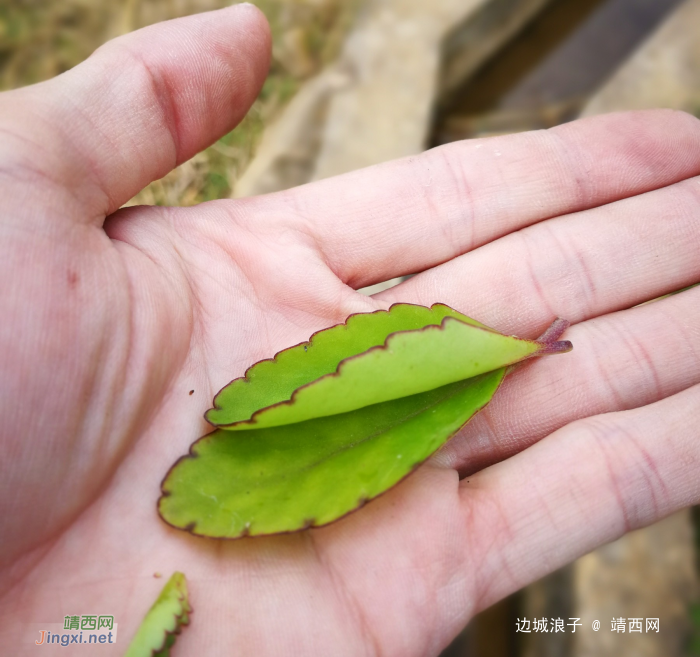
x=109, y=323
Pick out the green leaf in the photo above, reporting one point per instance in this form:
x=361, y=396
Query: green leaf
x=331, y=424
x=408, y=363
x=164, y=620
x=272, y=381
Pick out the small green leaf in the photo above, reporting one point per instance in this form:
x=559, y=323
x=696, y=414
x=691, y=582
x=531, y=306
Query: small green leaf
x=330, y=424
x=164, y=620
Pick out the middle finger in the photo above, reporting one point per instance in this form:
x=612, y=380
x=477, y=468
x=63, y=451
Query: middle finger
x=621, y=361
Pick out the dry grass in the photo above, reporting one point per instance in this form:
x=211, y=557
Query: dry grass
x=42, y=38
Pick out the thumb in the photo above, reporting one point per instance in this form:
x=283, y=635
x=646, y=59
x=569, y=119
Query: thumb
x=139, y=106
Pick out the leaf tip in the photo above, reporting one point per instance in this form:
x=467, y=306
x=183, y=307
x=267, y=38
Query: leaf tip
x=557, y=347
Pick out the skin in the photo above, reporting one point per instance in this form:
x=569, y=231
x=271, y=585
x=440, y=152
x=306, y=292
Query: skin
x=110, y=317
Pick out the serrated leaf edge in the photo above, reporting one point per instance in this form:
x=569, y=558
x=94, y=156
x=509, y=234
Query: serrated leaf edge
x=179, y=623
x=186, y=612
x=309, y=342
x=253, y=420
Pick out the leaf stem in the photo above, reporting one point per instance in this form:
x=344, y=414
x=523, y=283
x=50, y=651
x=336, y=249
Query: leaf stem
x=550, y=342
x=554, y=331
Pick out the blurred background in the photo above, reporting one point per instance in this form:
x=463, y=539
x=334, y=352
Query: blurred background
x=356, y=82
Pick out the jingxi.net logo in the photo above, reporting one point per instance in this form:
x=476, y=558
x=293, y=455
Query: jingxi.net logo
x=77, y=630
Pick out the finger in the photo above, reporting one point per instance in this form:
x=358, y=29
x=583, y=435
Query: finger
x=140, y=105
x=587, y=484
x=409, y=215
x=576, y=267
x=621, y=361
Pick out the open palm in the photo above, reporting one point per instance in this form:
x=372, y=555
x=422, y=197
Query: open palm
x=109, y=324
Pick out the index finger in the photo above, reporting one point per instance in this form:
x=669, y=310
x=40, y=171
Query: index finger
x=140, y=105
x=412, y=214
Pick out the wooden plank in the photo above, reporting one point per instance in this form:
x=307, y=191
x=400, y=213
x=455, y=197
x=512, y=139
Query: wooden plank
x=663, y=72
x=482, y=35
